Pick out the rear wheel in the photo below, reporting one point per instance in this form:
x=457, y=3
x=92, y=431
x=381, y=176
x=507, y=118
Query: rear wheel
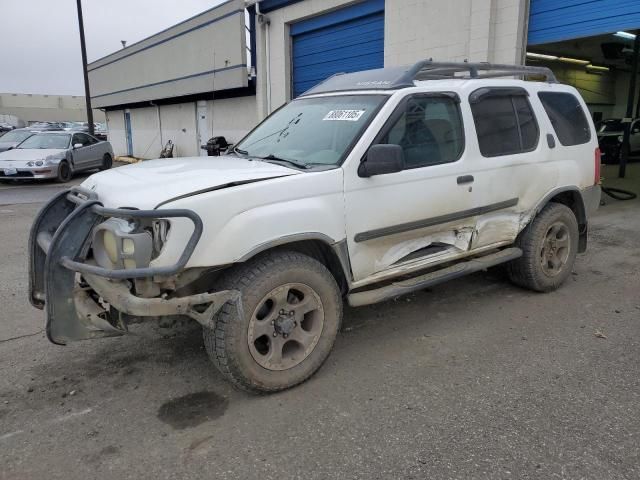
x=549, y=245
x=107, y=162
x=64, y=172
x=292, y=313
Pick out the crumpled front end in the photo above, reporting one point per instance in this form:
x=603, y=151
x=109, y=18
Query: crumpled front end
x=91, y=290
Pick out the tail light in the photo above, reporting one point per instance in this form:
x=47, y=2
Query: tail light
x=597, y=159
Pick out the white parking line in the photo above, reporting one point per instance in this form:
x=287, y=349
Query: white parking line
x=61, y=419
x=64, y=418
x=11, y=434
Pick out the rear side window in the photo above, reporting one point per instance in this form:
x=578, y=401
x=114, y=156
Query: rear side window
x=567, y=117
x=505, y=124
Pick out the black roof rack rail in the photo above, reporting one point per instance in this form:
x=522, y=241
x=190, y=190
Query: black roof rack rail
x=393, y=78
x=430, y=70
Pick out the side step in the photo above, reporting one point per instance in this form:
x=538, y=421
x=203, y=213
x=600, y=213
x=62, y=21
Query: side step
x=432, y=278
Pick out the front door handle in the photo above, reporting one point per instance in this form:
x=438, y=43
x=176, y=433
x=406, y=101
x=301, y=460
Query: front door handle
x=465, y=179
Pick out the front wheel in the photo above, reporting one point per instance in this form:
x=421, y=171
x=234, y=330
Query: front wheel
x=291, y=315
x=107, y=162
x=64, y=172
x=549, y=245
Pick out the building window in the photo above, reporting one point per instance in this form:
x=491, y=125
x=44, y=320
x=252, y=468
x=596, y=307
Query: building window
x=567, y=117
x=429, y=130
x=505, y=124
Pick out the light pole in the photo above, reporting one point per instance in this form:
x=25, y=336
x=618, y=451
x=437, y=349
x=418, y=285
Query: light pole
x=83, y=48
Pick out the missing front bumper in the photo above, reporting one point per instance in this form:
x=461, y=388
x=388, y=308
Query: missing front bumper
x=79, y=297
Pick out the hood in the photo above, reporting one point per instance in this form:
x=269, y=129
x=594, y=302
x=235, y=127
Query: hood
x=146, y=184
x=26, y=154
x=4, y=146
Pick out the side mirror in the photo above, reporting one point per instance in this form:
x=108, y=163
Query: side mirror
x=382, y=159
x=77, y=145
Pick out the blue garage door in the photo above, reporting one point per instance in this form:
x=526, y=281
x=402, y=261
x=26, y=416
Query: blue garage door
x=347, y=40
x=557, y=20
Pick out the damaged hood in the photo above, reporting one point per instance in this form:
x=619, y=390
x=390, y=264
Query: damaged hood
x=146, y=184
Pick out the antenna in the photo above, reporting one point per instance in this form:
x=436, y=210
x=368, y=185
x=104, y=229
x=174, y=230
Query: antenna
x=124, y=43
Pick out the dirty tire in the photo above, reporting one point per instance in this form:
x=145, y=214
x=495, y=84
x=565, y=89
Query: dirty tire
x=64, y=172
x=107, y=162
x=228, y=343
x=532, y=270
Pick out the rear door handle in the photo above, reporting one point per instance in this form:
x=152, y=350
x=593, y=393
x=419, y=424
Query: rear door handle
x=465, y=179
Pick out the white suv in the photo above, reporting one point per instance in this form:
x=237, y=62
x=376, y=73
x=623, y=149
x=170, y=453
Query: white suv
x=368, y=186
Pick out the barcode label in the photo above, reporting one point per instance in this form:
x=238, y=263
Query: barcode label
x=347, y=115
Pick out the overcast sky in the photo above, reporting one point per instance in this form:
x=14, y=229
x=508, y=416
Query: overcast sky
x=40, y=47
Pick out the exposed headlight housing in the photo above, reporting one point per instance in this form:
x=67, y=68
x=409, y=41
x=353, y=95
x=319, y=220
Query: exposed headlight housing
x=119, y=244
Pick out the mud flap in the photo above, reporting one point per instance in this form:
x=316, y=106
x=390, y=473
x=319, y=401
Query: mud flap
x=64, y=322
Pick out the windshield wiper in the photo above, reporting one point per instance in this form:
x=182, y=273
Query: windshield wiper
x=272, y=157
x=237, y=150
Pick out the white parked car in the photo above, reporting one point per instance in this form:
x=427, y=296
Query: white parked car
x=369, y=186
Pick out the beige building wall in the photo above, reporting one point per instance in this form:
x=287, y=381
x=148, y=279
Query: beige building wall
x=231, y=118
x=116, y=134
x=145, y=127
x=53, y=108
x=204, y=53
x=477, y=30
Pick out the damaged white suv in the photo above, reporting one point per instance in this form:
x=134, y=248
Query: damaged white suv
x=368, y=186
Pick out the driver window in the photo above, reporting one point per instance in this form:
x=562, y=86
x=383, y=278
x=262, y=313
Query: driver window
x=85, y=140
x=429, y=130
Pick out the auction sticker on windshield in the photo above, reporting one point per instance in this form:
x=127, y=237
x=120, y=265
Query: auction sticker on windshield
x=347, y=115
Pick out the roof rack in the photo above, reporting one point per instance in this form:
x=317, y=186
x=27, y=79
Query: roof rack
x=393, y=78
x=430, y=70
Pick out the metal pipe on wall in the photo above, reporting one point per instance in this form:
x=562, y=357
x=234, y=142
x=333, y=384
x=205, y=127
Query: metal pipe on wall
x=624, y=157
x=263, y=20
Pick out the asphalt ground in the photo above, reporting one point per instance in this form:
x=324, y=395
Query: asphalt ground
x=473, y=379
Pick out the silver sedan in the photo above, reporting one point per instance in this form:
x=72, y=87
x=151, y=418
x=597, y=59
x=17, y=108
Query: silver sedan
x=55, y=155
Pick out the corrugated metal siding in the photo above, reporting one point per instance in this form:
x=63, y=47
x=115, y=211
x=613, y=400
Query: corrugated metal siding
x=557, y=20
x=346, y=40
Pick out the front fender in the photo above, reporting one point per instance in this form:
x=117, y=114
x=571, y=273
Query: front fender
x=242, y=220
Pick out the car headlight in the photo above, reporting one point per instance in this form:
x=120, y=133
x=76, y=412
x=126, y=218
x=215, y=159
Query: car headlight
x=620, y=138
x=37, y=163
x=119, y=244
x=55, y=157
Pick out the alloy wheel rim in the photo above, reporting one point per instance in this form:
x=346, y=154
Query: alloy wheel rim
x=555, y=249
x=286, y=326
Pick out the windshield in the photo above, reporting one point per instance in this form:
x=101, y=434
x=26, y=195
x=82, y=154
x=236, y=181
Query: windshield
x=612, y=125
x=312, y=131
x=15, y=136
x=46, y=141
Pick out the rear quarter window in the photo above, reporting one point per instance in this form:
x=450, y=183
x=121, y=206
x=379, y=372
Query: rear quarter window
x=567, y=117
x=505, y=123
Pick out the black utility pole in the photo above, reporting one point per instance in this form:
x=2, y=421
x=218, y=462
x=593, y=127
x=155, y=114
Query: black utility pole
x=83, y=48
x=624, y=157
